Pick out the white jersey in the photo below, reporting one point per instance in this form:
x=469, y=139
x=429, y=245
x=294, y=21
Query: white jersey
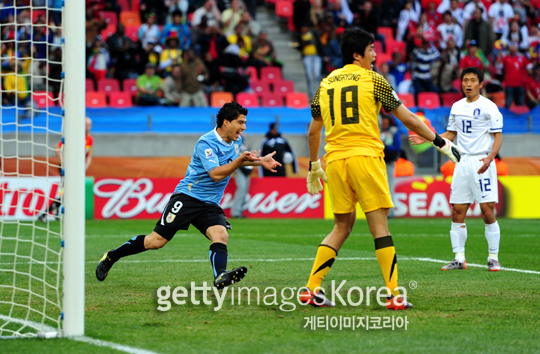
x=475, y=124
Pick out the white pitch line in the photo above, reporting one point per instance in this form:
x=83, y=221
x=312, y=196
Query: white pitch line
x=120, y=347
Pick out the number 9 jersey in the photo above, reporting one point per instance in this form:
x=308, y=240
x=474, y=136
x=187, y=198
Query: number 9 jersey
x=349, y=101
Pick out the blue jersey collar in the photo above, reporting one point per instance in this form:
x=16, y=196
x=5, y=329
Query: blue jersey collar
x=220, y=139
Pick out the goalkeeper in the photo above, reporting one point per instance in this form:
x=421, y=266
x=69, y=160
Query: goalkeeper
x=347, y=105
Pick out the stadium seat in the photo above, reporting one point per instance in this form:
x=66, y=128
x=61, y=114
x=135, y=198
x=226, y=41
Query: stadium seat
x=283, y=87
x=449, y=98
x=499, y=98
x=248, y=100
x=109, y=17
x=130, y=85
x=260, y=87
x=387, y=32
x=124, y=5
x=251, y=71
x=271, y=73
x=396, y=46
x=219, y=98
x=382, y=58
x=519, y=109
x=272, y=100
x=135, y=5
x=429, y=100
x=43, y=99
x=108, y=31
x=457, y=84
x=290, y=24
x=407, y=99
x=108, y=85
x=130, y=18
x=378, y=47
x=284, y=9
x=90, y=85
x=120, y=100
x=96, y=100
x=36, y=14
x=133, y=33
x=297, y=100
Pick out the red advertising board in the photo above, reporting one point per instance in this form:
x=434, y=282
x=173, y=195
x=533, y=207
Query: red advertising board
x=145, y=198
x=23, y=198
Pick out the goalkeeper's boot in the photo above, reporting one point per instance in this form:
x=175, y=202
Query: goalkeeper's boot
x=455, y=264
x=315, y=299
x=397, y=303
x=493, y=265
x=103, y=267
x=230, y=277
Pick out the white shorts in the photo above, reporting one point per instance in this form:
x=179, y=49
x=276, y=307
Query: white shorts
x=469, y=186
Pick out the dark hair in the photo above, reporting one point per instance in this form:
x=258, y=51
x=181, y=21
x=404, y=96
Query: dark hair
x=479, y=8
x=473, y=70
x=176, y=13
x=230, y=111
x=354, y=40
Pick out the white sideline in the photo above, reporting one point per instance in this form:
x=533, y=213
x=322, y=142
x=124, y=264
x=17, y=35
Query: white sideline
x=120, y=347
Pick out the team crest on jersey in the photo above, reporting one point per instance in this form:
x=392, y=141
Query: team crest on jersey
x=170, y=217
x=476, y=113
x=236, y=149
x=208, y=153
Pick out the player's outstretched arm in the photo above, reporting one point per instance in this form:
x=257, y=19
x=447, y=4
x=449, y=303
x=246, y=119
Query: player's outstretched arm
x=221, y=172
x=417, y=139
x=316, y=172
x=266, y=161
x=415, y=124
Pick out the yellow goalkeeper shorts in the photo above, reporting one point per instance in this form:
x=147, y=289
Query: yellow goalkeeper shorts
x=359, y=179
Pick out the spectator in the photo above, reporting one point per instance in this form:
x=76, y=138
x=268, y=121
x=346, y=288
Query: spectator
x=430, y=31
x=390, y=11
x=370, y=18
x=250, y=27
x=455, y=10
x=518, y=35
x=148, y=86
x=423, y=59
x=170, y=56
x=433, y=17
x=515, y=68
x=179, y=30
x=212, y=44
x=243, y=41
x=449, y=67
x=98, y=61
x=156, y=7
x=316, y=13
x=38, y=74
x=481, y=31
x=301, y=13
x=500, y=13
x=312, y=53
x=449, y=30
x=333, y=50
x=172, y=87
x=16, y=91
x=123, y=54
x=407, y=16
x=263, y=53
x=233, y=70
x=533, y=88
x=192, y=75
x=470, y=8
x=471, y=59
x=343, y=15
x=273, y=141
x=149, y=31
x=93, y=27
x=231, y=17
x=210, y=10
x=149, y=56
x=391, y=138
x=384, y=71
x=398, y=69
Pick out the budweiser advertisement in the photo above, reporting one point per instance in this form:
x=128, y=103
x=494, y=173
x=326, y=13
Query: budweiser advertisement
x=23, y=198
x=145, y=198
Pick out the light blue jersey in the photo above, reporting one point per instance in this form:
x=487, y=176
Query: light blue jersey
x=210, y=152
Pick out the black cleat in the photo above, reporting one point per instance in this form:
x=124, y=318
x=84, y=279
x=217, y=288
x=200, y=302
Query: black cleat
x=104, y=266
x=230, y=277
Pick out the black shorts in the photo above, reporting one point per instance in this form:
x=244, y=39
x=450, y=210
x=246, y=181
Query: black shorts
x=183, y=210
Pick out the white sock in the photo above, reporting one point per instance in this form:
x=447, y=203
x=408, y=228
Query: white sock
x=493, y=237
x=458, y=236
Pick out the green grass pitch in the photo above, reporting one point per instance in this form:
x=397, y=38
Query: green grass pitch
x=471, y=311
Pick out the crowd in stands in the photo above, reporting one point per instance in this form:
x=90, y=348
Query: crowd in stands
x=422, y=45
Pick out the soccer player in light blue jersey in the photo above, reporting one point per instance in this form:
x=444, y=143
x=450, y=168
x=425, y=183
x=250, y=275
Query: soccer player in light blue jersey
x=196, y=198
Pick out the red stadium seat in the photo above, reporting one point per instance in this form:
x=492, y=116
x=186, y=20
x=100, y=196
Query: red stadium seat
x=283, y=87
x=457, y=84
x=134, y=5
x=108, y=85
x=396, y=46
x=251, y=71
x=499, y=98
x=284, y=9
x=109, y=31
x=449, y=98
x=260, y=87
x=297, y=100
x=382, y=58
x=378, y=47
x=96, y=100
x=429, y=100
x=124, y=4
x=272, y=100
x=120, y=99
x=130, y=18
x=90, y=85
x=43, y=99
x=130, y=86
x=219, y=98
x=407, y=99
x=247, y=99
x=36, y=14
x=290, y=24
x=519, y=109
x=270, y=73
x=110, y=17
x=133, y=33
x=387, y=32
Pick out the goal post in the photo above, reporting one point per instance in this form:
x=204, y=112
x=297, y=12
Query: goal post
x=74, y=161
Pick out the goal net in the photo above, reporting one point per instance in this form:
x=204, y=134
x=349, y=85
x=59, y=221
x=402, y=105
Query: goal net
x=31, y=227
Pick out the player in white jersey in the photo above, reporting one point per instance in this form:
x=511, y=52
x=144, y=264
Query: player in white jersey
x=477, y=123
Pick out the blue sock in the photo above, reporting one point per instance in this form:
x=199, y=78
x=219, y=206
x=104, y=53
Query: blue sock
x=218, y=258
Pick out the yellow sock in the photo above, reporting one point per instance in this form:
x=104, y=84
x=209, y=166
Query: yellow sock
x=386, y=255
x=326, y=256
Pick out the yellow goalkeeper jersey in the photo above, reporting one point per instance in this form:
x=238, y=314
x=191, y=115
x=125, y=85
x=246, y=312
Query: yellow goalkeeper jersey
x=349, y=101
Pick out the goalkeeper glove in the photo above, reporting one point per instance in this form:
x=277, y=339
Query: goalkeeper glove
x=447, y=147
x=314, y=185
